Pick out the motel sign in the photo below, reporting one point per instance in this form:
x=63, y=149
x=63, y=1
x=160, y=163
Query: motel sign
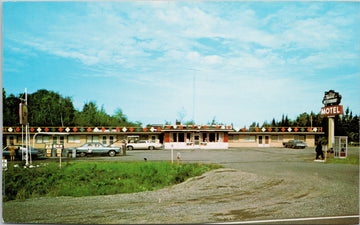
x=332, y=110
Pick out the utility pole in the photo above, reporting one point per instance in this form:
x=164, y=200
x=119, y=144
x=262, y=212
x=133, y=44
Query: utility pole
x=193, y=116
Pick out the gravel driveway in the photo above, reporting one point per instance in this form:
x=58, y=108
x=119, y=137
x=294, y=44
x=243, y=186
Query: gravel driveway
x=256, y=183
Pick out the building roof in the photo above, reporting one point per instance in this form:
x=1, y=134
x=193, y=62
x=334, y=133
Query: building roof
x=157, y=129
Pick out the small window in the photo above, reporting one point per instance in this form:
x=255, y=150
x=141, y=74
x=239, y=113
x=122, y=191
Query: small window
x=174, y=137
x=204, y=137
x=19, y=139
x=250, y=138
x=46, y=139
x=153, y=138
x=111, y=139
x=42, y=139
x=104, y=140
x=188, y=135
x=212, y=137
x=39, y=139
x=55, y=139
x=11, y=140
x=181, y=137
x=300, y=137
x=275, y=138
x=74, y=139
x=91, y=138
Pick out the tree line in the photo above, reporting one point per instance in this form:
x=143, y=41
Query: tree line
x=345, y=125
x=48, y=108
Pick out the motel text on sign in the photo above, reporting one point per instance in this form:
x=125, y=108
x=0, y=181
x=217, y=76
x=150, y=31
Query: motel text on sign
x=332, y=110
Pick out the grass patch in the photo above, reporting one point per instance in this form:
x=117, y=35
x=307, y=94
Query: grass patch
x=95, y=178
x=349, y=160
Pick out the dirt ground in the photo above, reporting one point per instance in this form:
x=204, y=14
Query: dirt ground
x=256, y=183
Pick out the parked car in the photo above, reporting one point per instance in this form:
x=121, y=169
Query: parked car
x=143, y=144
x=95, y=148
x=294, y=144
x=19, y=149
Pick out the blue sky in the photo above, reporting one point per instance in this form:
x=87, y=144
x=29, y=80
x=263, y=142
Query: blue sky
x=236, y=61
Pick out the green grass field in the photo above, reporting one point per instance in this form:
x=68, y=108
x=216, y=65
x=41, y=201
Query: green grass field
x=95, y=178
x=349, y=160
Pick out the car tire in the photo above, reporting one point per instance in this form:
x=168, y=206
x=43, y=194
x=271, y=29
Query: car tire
x=82, y=154
x=151, y=148
x=130, y=148
x=112, y=153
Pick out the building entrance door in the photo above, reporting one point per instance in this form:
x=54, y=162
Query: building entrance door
x=196, y=141
x=264, y=141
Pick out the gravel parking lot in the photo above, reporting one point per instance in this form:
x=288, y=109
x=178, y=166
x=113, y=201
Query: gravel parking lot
x=256, y=183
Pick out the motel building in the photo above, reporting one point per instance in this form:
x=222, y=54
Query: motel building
x=171, y=136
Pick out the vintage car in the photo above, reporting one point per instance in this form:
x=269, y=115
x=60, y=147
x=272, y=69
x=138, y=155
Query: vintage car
x=143, y=144
x=294, y=144
x=19, y=150
x=95, y=148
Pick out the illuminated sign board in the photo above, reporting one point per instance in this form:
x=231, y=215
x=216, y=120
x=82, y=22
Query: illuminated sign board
x=332, y=110
x=331, y=98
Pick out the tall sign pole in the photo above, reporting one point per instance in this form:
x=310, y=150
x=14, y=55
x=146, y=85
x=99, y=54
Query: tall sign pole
x=23, y=116
x=332, y=108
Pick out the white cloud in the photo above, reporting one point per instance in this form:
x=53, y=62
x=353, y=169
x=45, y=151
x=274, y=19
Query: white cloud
x=240, y=51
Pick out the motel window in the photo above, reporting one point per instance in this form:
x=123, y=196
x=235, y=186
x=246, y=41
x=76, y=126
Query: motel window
x=174, y=137
x=236, y=138
x=133, y=139
x=111, y=140
x=212, y=137
x=42, y=139
x=19, y=139
x=300, y=137
x=104, y=141
x=11, y=140
x=277, y=138
x=204, y=137
x=39, y=139
x=92, y=138
x=46, y=139
x=250, y=138
x=62, y=138
x=188, y=137
x=74, y=139
x=181, y=137
x=54, y=139
x=153, y=138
